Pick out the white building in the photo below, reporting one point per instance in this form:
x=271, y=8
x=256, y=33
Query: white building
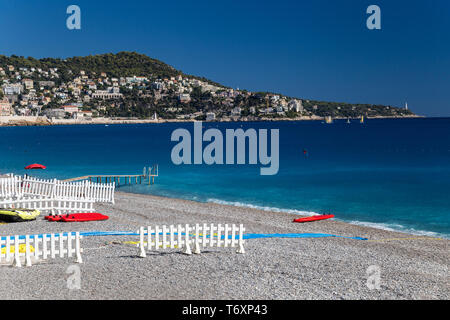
x=295, y=105
x=55, y=113
x=106, y=94
x=158, y=85
x=184, y=97
x=236, y=111
x=210, y=116
x=10, y=89
x=49, y=84
x=274, y=98
x=71, y=109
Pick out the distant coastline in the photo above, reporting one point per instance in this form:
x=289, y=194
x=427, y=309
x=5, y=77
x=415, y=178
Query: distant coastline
x=15, y=121
x=131, y=85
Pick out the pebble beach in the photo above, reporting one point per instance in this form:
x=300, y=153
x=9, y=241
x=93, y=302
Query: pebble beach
x=410, y=266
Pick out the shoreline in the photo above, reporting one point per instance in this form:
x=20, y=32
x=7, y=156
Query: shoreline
x=299, y=213
x=279, y=268
x=43, y=121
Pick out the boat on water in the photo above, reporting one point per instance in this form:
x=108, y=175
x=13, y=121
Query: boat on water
x=328, y=119
x=348, y=120
x=362, y=119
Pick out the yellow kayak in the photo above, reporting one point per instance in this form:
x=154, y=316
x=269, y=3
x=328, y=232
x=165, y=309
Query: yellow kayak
x=18, y=215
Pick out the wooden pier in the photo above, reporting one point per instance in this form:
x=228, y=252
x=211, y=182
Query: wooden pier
x=148, y=176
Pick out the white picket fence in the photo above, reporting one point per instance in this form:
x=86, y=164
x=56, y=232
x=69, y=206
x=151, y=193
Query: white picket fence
x=53, y=206
x=52, y=195
x=187, y=237
x=17, y=186
x=40, y=247
x=99, y=192
x=10, y=187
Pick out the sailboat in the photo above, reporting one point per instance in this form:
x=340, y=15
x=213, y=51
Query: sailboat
x=328, y=119
x=362, y=119
x=348, y=120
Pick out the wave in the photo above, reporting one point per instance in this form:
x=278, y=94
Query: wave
x=264, y=208
x=399, y=228
x=377, y=225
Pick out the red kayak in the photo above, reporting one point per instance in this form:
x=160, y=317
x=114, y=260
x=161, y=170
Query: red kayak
x=314, y=218
x=53, y=218
x=81, y=217
x=78, y=217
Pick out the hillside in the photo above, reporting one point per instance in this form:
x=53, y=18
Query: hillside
x=122, y=64
x=129, y=84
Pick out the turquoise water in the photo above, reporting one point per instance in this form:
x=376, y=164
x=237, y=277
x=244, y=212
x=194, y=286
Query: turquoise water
x=392, y=174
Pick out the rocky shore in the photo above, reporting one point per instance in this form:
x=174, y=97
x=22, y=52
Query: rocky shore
x=44, y=121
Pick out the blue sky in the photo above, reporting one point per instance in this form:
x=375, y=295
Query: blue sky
x=317, y=49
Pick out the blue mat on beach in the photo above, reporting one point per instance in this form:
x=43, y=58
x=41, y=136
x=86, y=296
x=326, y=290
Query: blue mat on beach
x=246, y=236
x=296, y=235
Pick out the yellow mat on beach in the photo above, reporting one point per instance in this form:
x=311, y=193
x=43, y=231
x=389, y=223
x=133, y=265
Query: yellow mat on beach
x=145, y=242
x=22, y=249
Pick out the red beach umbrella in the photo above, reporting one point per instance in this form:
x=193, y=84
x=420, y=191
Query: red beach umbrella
x=35, y=166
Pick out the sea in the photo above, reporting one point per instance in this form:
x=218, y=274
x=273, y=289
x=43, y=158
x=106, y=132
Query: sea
x=392, y=174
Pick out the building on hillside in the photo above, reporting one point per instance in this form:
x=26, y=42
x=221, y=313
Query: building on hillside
x=210, y=116
x=106, y=94
x=10, y=89
x=92, y=86
x=71, y=109
x=55, y=113
x=23, y=112
x=207, y=87
x=184, y=97
x=274, y=98
x=28, y=83
x=86, y=115
x=236, y=111
x=295, y=105
x=13, y=98
x=5, y=107
x=158, y=85
x=47, y=84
